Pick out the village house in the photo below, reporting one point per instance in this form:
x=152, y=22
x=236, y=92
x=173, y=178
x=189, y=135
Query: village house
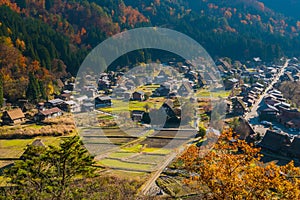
x=271, y=100
x=173, y=113
x=287, y=76
x=137, y=115
x=274, y=141
x=87, y=107
x=82, y=99
x=102, y=101
x=225, y=65
x=48, y=114
x=258, y=90
x=201, y=80
x=65, y=95
x=268, y=112
x=70, y=106
x=54, y=103
x=238, y=106
x=245, y=88
x=103, y=84
x=162, y=91
x=13, y=117
x=282, y=106
x=185, y=89
x=138, y=96
x=290, y=119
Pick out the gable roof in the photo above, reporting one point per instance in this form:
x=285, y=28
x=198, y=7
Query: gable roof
x=139, y=92
x=38, y=143
x=56, y=101
x=50, y=111
x=104, y=98
x=186, y=85
x=267, y=107
x=15, y=114
x=239, y=101
x=274, y=141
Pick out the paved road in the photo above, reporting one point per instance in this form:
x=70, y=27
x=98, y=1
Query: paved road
x=253, y=113
x=151, y=181
x=253, y=116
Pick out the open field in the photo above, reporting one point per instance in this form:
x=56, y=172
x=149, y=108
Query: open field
x=125, y=165
x=14, y=148
x=121, y=154
x=125, y=106
x=148, y=88
x=101, y=140
x=172, y=134
x=147, y=158
x=163, y=143
x=59, y=126
x=207, y=93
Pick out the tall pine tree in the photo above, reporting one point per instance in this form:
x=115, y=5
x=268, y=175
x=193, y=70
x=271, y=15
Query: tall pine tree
x=33, y=88
x=1, y=91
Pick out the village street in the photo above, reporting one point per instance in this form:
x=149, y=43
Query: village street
x=253, y=117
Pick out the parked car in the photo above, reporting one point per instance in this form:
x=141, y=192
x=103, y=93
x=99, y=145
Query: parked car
x=266, y=123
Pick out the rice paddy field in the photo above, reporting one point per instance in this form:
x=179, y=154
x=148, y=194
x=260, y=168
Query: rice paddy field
x=143, y=154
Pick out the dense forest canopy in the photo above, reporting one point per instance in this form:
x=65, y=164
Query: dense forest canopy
x=55, y=36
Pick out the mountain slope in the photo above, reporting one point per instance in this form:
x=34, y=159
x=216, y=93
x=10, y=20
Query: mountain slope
x=48, y=37
x=239, y=29
x=287, y=7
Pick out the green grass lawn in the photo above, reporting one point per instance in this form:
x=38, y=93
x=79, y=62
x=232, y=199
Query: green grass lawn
x=121, y=154
x=13, y=148
x=207, y=93
x=123, y=106
x=157, y=150
x=133, y=149
x=147, y=158
x=120, y=164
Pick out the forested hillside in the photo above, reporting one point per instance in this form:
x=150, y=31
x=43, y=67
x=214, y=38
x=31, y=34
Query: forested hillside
x=287, y=7
x=50, y=38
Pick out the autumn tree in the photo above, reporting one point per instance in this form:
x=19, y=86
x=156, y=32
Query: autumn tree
x=232, y=170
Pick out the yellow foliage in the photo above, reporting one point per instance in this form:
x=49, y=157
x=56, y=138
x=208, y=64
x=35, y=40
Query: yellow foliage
x=50, y=89
x=233, y=171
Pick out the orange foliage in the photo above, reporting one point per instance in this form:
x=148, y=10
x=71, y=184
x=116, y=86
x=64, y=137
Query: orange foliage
x=8, y=3
x=244, y=22
x=298, y=24
x=232, y=170
x=227, y=14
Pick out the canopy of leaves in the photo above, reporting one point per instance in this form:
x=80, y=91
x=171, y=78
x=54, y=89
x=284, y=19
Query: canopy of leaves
x=233, y=171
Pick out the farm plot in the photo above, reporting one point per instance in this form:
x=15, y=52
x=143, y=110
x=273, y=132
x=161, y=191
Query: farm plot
x=104, y=140
x=173, y=134
x=119, y=164
x=104, y=132
x=148, y=158
x=174, y=186
x=168, y=143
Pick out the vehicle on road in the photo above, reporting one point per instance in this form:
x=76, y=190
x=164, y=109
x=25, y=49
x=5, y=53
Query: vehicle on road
x=266, y=123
